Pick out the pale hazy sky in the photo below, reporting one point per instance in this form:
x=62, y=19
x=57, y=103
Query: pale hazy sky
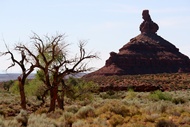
x=106, y=24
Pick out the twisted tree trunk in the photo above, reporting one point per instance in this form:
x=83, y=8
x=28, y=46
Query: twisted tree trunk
x=22, y=93
x=53, y=97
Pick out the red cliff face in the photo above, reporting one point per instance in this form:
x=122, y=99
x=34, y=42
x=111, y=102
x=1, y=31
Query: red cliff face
x=146, y=53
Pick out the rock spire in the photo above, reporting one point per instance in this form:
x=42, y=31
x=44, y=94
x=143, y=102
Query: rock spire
x=147, y=53
x=148, y=26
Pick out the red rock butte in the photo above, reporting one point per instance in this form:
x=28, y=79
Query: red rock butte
x=147, y=53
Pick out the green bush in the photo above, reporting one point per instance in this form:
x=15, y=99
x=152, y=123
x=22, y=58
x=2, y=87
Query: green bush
x=159, y=95
x=35, y=87
x=32, y=87
x=8, y=84
x=131, y=94
x=15, y=88
x=79, y=89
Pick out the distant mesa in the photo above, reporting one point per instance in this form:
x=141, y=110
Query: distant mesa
x=146, y=53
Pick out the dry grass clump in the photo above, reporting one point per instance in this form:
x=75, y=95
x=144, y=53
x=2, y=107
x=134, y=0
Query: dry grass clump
x=22, y=118
x=114, y=106
x=41, y=121
x=72, y=108
x=184, y=118
x=86, y=111
x=41, y=110
x=9, y=122
x=152, y=117
x=180, y=97
x=67, y=119
x=116, y=120
x=1, y=122
x=158, y=107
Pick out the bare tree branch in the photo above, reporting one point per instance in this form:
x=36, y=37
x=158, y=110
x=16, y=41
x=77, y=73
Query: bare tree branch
x=50, y=56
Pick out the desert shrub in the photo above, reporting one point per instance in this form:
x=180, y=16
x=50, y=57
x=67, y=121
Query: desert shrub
x=136, y=118
x=1, y=122
x=106, y=95
x=157, y=107
x=84, y=102
x=56, y=114
x=22, y=118
x=41, y=121
x=2, y=113
x=110, y=92
x=116, y=120
x=9, y=122
x=41, y=110
x=32, y=101
x=107, y=115
x=35, y=87
x=161, y=107
x=85, y=111
x=67, y=119
x=131, y=94
x=121, y=109
x=111, y=95
x=97, y=102
x=12, y=123
x=72, y=108
x=184, y=118
x=80, y=123
x=80, y=89
x=159, y=95
x=114, y=106
x=101, y=122
x=179, y=100
x=164, y=123
x=151, y=117
x=8, y=84
x=138, y=125
x=14, y=88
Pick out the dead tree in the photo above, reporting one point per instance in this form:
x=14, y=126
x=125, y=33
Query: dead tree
x=55, y=63
x=25, y=71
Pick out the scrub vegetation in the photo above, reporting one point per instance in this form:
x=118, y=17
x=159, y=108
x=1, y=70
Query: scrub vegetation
x=86, y=106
